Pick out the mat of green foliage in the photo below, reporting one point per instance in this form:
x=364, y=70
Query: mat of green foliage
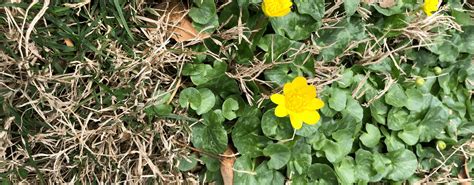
x=125, y=104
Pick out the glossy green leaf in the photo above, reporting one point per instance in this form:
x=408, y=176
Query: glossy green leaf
x=396, y=96
x=275, y=127
x=295, y=26
x=350, y=6
x=228, y=107
x=372, y=137
x=207, y=101
x=403, y=164
x=398, y=118
x=393, y=143
x=247, y=136
x=279, y=155
x=210, y=136
x=338, y=99
x=314, y=8
x=190, y=96
x=187, y=163
x=434, y=122
x=345, y=171
x=322, y=173
x=300, y=159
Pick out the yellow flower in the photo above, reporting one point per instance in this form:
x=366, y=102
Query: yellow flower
x=276, y=8
x=430, y=6
x=299, y=101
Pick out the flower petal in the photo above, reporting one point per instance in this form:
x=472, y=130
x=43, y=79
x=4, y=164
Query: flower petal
x=280, y=111
x=288, y=87
x=278, y=99
x=299, y=82
x=310, y=117
x=315, y=104
x=310, y=91
x=296, y=121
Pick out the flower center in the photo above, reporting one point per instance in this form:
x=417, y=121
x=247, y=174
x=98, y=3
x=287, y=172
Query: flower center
x=295, y=102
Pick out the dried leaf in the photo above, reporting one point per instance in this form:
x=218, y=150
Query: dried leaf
x=387, y=3
x=181, y=28
x=68, y=42
x=227, y=166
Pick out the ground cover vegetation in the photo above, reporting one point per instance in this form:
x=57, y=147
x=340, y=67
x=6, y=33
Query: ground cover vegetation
x=236, y=92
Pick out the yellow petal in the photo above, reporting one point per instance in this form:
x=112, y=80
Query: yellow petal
x=310, y=91
x=280, y=111
x=288, y=87
x=315, y=104
x=310, y=117
x=278, y=99
x=296, y=121
x=430, y=6
x=299, y=82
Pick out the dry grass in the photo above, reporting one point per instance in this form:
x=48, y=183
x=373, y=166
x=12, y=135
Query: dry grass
x=87, y=122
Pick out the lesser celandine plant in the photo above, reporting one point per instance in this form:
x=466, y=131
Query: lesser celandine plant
x=393, y=106
x=299, y=102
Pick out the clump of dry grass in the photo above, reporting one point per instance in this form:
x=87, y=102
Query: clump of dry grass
x=87, y=122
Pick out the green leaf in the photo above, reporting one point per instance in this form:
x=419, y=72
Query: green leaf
x=244, y=172
x=208, y=74
x=397, y=118
x=416, y=99
x=314, y=8
x=393, y=24
x=350, y=6
x=410, y=134
x=204, y=12
x=212, y=164
x=335, y=41
x=393, y=143
x=187, y=163
x=396, y=96
x=322, y=173
x=403, y=164
x=246, y=134
x=279, y=155
x=353, y=109
x=372, y=137
x=434, y=121
x=210, y=136
x=265, y=175
x=335, y=151
x=275, y=127
x=363, y=169
x=307, y=130
x=278, y=74
x=300, y=159
x=228, y=107
x=338, y=99
x=467, y=37
x=345, y=171
x=190, y=96
x=380, y=163
x=207, y=101
x=275, y=45
x=346, y=79
x=295, y=26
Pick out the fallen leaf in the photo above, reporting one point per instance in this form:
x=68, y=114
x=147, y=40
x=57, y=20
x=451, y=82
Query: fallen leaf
x=180, y=26
x=227, y=166
x=68, y=42
x=387, y=3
